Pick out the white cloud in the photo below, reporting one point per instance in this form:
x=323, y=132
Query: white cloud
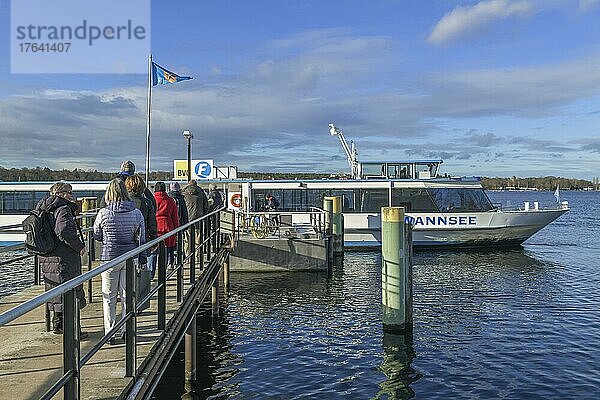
x=274, y=115
x=587, y=5
x=465, y=20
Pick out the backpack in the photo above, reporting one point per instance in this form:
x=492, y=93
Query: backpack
x=39, y=230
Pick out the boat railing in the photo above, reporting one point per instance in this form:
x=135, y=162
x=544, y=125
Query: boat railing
x=206, y=243
x=529, y=206
x=286, y=224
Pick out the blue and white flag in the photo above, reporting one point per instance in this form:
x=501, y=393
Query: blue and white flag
x=557, y=194
x=162, y=75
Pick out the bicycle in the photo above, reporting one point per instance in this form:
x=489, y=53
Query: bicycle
x=260, y=225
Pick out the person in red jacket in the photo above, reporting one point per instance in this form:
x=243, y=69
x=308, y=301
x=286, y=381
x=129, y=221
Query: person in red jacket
x=167, y=219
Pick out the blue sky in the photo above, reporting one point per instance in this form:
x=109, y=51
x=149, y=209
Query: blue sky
x=494, y=87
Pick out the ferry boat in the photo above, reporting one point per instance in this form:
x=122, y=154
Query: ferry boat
x=17, y=199
x=445, y=211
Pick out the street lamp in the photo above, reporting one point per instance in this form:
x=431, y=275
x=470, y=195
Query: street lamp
x=188, y=135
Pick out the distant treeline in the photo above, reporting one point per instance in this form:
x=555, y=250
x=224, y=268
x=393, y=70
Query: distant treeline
x=40, y=174
x=282, y=175
x=48, y=175
x=542, y=183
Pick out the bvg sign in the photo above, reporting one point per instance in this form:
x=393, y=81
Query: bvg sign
x=201, y=169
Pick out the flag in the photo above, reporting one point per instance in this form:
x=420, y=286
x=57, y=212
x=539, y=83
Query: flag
x=161, y=75
x=557, y=194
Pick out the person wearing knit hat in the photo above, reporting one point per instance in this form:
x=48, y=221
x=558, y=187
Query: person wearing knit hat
x=128, y=168
x=174, y=186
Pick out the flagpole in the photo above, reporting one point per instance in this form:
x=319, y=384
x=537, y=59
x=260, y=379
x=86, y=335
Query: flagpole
x=148, y=119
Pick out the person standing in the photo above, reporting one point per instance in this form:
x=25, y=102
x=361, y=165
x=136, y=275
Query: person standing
x=128, y=169
x=215, y=199
x=175, y=194
x=271, y=203
x=135, y=187
x=197, y=206
x=64, y=262
x=167, y=218
x=120, y=227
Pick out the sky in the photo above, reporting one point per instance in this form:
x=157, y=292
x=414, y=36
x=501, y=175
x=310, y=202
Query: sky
x=492, y=87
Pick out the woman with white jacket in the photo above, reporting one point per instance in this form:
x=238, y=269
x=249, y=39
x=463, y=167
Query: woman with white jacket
x=120, y=228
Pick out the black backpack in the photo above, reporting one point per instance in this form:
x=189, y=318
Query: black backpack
x=39, y=230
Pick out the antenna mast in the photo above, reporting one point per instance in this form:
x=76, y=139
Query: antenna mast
x=350, y=151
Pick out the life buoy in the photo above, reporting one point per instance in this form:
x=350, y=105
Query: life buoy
x=236, y=200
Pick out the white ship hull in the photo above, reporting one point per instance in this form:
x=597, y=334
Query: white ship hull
x=476, y=229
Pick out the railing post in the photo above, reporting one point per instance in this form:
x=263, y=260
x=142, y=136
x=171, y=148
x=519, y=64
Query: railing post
x=193, y=246
x=201, y=227
x=215, y=297
x=226, y=285
x=131, y=324
x=36, y=270
x=209, y=229
x=190, y=355
x=217, y=232
x=90, y=257
x=162, y=290
x=179, y=266
x=47, y=317
x=71, y=344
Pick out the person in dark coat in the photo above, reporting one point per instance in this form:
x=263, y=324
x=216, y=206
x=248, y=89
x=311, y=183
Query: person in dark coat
x=128, y=169
x=215, y=199
x=64, y=262
x=136, y=187
x=197, y=206
x=175, y=194
x=167, y=218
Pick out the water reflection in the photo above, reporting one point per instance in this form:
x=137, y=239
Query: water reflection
x=319, y=335
x=398, y=354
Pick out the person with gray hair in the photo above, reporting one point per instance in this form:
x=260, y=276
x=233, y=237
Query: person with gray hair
x=215, y=199
x=64, y=262
x=120, y=227
x=197, y=206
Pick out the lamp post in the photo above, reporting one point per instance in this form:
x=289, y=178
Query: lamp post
x=188, y=135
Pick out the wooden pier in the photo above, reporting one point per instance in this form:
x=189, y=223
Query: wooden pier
x=36, y=363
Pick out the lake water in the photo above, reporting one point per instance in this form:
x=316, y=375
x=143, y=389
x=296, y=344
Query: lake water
x=496, y=324
x=508, y=324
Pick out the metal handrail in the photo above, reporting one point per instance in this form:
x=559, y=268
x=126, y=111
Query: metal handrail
x=17, y=228
x=72, y=360
x=43, y=298
x=317, y=220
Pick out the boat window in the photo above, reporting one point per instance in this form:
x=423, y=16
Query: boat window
x=373, y=199
x=373, y=170
x=354, y=200
x=417, y=200
x=399, y=171
x=16, y=202
x=347, y=199
x=460, y=199
x=22, y=202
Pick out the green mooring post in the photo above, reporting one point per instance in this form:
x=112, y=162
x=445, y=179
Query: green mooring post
x=396, y=271
x=337, y=223
x=328, y=207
